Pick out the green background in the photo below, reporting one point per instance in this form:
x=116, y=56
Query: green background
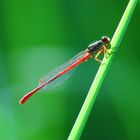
x=37, y=36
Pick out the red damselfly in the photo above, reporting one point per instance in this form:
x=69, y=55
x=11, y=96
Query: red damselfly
x=60, y=74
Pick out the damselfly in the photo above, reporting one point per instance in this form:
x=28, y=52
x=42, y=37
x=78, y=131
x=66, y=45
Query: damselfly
x=60, y=74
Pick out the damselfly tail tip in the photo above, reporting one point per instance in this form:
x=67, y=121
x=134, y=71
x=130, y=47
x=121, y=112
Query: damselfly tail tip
x=22, y=101
x=29, y=94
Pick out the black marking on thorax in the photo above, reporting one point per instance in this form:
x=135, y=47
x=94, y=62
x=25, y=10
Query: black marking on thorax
x=95, y=47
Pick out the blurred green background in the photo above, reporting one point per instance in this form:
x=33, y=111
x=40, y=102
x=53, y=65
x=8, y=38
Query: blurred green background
x=38, y=35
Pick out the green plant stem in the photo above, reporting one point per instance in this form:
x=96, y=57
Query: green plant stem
x=96, y=85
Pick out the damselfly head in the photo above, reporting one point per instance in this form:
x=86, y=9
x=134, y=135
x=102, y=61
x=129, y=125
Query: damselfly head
x=106, y=40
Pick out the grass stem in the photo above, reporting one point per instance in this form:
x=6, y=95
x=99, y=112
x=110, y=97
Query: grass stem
x=102, y=71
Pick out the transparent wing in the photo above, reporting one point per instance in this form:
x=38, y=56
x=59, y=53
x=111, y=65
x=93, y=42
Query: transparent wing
x=59, y=69
x=58, y=75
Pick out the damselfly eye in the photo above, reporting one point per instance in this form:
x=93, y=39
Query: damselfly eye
x=105, y=40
